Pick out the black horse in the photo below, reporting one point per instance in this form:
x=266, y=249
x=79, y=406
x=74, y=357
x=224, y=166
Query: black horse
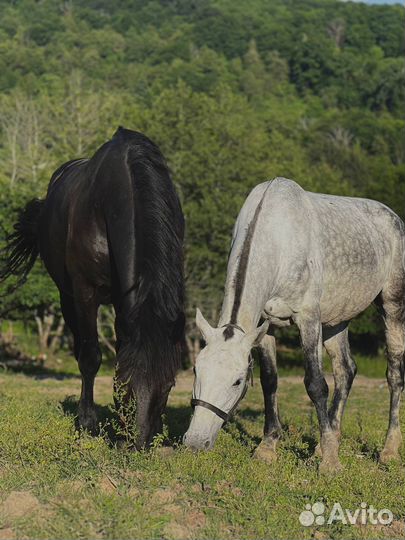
x=110, y=230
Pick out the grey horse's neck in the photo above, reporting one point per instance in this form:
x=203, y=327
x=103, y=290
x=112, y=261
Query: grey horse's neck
x=246, y=286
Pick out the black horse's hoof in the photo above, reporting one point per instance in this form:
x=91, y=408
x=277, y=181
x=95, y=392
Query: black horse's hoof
x=88, y=422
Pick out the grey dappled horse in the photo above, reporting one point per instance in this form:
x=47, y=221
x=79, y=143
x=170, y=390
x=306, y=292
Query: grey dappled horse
x=316, y=261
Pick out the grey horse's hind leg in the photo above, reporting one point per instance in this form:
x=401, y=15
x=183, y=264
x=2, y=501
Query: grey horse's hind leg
x=394, y=317
x=317, y=388
x=266, y=450
x=336, y=343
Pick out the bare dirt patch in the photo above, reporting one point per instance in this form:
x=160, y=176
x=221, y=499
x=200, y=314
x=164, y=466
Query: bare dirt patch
x=107, y=485
x=174, y=530
x=163, y=496
x=74, y=486
x=185, y=522
x=18, y=504
x=398, y=528
x=7, y=534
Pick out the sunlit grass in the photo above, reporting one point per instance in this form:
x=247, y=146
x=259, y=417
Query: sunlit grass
x=86, y=487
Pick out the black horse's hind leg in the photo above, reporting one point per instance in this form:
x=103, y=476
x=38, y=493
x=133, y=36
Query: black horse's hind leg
x=69, y=314
x=80, y=314
x=394, y=317
x=266, y=450
x=311, y=338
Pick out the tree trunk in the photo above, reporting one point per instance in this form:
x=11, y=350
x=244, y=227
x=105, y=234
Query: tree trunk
x=57, y=335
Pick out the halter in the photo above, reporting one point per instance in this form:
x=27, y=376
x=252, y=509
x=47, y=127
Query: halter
x=213, y=408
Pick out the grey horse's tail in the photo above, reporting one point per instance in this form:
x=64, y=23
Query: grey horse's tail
x=21, y=250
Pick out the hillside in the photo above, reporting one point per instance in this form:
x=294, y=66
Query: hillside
x=233, y=92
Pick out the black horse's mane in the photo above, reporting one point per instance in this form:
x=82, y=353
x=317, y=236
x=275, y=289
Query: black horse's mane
x=156, y=320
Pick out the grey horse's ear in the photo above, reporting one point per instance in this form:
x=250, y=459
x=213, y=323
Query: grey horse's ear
x=204, y=326
x=255, y=336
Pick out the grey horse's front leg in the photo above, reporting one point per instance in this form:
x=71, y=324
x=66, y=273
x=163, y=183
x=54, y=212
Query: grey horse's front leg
x=317, y=388
x=266, y=450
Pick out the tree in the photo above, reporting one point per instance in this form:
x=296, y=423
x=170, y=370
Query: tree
x=235, y=93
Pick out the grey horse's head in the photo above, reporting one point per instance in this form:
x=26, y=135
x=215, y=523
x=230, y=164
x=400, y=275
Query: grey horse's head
x=221, y=378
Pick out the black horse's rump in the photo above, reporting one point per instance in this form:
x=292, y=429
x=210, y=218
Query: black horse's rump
x=110, y=230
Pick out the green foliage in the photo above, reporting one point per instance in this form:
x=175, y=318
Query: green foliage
x=234, y=93
x=124, y=416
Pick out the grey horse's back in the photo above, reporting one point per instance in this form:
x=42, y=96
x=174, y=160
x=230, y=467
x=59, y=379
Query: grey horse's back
x=353, y=218
x=349, y=246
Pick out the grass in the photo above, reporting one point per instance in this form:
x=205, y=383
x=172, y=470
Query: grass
x=63, y=484
x=291, y=362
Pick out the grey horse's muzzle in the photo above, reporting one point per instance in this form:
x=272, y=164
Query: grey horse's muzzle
x=197, y=442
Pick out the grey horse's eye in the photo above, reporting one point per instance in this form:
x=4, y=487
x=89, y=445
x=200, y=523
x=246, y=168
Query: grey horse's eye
x=237, y=383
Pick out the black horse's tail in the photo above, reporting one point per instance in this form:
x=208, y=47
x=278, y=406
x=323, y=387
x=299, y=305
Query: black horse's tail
x=21, y=249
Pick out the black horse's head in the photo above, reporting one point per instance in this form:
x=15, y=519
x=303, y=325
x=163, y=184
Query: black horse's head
x=146, y=370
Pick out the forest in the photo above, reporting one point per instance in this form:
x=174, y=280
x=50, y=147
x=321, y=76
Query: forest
x=233, y=92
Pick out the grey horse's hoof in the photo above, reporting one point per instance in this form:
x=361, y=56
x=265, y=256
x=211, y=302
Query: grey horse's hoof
x=266, y=452
x=318, y=449
x=330, y=466
x=391, y=448
x=329, y=446
x=387, y=455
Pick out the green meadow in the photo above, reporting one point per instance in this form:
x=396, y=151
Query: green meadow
x=56, y=482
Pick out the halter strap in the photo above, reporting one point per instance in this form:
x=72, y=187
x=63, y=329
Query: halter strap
x=201, y=403
x=213, y=408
